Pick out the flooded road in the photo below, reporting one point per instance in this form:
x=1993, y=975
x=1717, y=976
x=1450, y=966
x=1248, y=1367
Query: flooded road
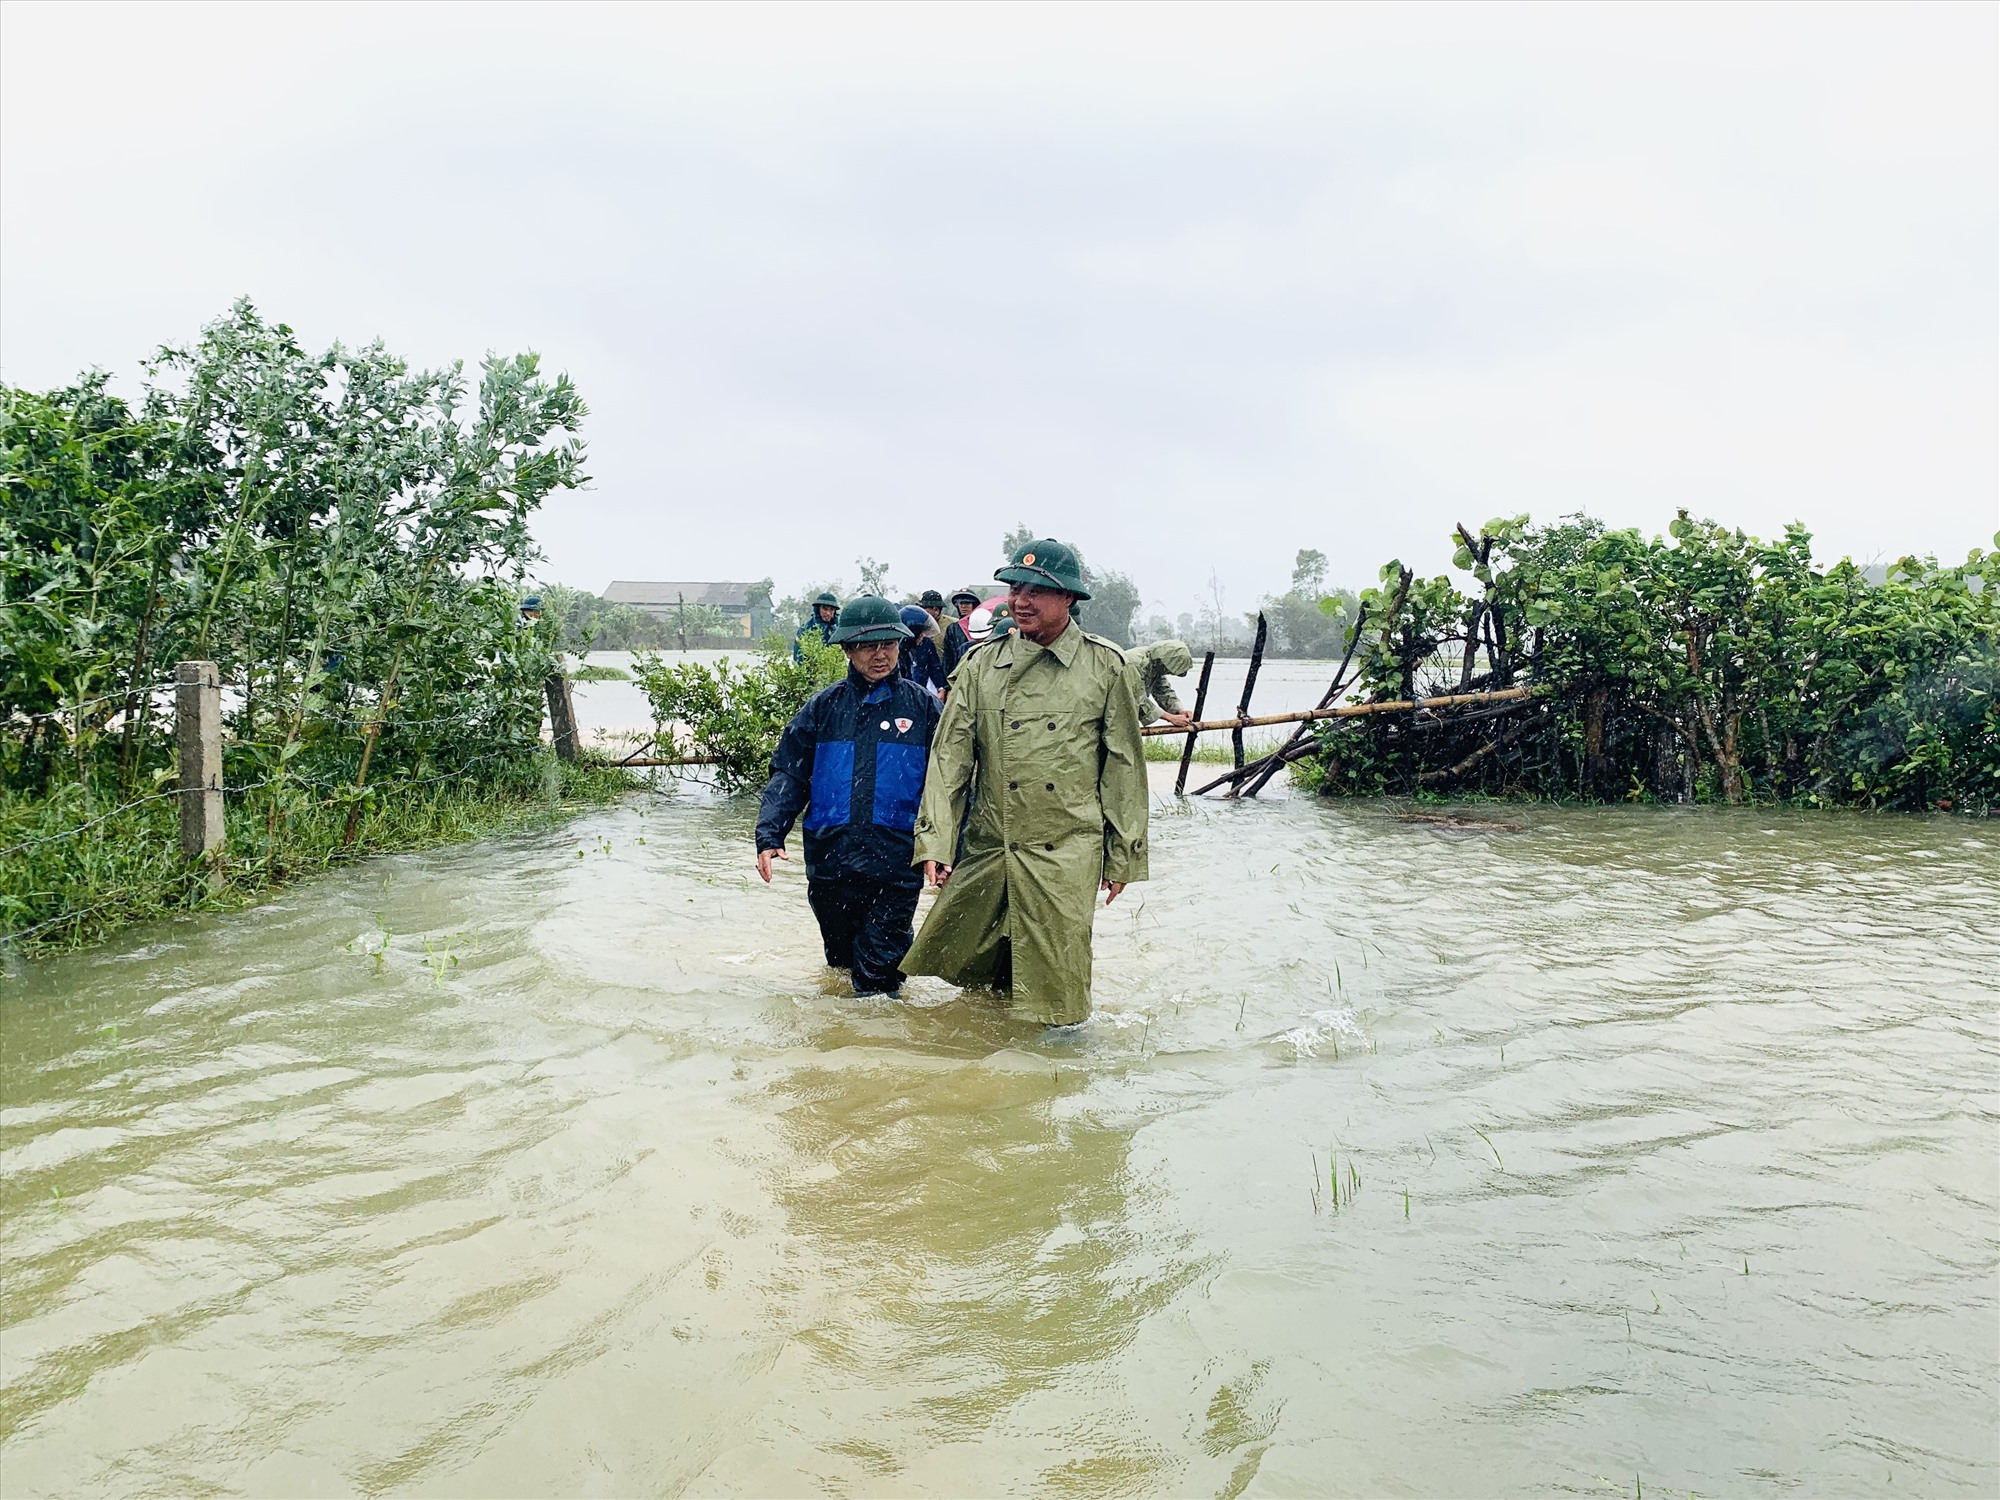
x=1637, y=1146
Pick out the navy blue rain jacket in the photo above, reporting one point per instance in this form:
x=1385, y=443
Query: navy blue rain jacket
x=922, y=664
x=853, y=761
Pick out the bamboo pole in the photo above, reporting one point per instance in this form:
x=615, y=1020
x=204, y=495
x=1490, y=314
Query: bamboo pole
x=1345, y=711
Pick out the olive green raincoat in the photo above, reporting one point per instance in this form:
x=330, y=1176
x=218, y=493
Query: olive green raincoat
x=1043, y=744
x=1154, y=667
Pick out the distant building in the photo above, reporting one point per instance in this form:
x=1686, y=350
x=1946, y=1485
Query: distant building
x=663, y=601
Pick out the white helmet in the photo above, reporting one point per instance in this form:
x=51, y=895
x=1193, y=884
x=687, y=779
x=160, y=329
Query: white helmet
x=979, y=624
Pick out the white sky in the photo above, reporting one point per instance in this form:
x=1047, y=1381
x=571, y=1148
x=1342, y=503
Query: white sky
x=1190, y=286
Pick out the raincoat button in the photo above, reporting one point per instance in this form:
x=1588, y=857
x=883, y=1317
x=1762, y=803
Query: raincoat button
x=1016, y=848
x=1052, y=724
x=1052, y=786
x=1017, y=723
x=1013, y=786
x=1048, y=846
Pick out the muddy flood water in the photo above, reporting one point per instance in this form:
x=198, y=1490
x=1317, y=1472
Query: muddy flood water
x=1631, y=1148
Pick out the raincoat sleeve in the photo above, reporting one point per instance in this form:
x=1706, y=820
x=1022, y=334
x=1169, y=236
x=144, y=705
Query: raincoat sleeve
x=1121, y=785
x=948, y=782
x=1161, y=691
x=790, y=786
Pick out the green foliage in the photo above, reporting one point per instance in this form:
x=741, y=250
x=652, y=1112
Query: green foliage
x=1707, y=664
x=736, y=712
x=345, y=537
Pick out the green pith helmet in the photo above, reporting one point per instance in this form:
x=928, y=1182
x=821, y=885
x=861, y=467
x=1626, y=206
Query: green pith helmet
x=932, y=599
x=1046, y=562
x=826, y=596
x=970, y=595
x=869, y=619
x=1003, y=627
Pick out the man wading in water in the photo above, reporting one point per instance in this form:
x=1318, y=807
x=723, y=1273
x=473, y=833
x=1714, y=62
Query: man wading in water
x=1041, y=736
x=853, y=760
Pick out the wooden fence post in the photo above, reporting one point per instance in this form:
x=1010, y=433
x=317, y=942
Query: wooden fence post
x=562, y=715
x=198, y=733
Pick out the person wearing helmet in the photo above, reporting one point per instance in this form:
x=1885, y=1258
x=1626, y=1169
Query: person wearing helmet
x=1153, y=668
x=853, y=761
x=933, y=604
x=826, y=607
x=958, y=637
x=921, y=662
x=1038, y=757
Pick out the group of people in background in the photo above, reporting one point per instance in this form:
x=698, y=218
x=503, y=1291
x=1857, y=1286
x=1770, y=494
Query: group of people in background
x=935, y=645
x=996, y=755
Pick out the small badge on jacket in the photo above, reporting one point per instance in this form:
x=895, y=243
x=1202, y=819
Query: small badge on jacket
x=903, y=725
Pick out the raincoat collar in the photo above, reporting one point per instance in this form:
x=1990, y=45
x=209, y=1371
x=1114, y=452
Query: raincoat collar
x=1063, y=649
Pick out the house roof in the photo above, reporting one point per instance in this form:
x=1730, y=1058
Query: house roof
x=722, y=595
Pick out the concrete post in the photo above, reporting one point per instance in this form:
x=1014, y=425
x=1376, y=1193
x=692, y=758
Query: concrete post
x=198, y=731
x=562, y=715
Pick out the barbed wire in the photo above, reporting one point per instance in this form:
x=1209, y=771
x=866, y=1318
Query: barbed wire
x=15, y=717
x=69, y=916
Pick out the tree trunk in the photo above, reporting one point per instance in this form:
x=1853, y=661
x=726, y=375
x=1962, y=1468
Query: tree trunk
x=1594, y=706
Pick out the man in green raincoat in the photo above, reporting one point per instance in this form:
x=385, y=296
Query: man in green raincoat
x=1153, y=667
x=1040, y=741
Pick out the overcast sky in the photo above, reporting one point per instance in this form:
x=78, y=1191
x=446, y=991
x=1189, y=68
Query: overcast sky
x=1190, y=286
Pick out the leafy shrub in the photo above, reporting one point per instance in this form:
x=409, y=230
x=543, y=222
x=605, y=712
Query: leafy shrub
x=736, y=713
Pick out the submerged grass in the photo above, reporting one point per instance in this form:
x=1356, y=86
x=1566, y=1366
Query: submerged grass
x=69, y=891
x=1210, y=749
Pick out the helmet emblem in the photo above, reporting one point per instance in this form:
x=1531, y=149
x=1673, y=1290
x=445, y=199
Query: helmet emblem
x=1027, y=559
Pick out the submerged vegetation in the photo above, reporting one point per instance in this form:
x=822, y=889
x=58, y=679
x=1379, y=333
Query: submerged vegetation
x=1703, y=666
x=346, y=538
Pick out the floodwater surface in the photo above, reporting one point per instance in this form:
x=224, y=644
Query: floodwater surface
x=1632, y=1147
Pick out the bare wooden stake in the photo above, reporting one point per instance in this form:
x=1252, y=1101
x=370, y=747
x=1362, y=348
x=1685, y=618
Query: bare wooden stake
x=1249, y=686
x=198, y=733
x=1200, y=701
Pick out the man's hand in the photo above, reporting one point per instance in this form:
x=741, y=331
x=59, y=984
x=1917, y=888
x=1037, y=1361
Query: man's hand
x=1112, y=888
x=1180, y=718
x=764, y=858
x=936, y=874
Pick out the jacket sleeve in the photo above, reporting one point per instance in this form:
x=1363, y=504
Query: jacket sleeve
x=948, y=781
x=790, y=786
x=1161, y=691
x=1121, y=785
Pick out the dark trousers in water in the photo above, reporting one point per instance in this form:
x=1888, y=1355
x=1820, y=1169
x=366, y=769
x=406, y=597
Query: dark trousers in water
x=867, y=926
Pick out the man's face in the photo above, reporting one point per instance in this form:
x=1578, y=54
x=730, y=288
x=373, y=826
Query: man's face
x=965, y=606
x=874, y=660
x=826, y=613
x=1041, y=614
x=935, y=614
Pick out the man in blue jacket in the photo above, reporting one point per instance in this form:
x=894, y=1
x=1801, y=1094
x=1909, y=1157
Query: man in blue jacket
x=853, y=760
